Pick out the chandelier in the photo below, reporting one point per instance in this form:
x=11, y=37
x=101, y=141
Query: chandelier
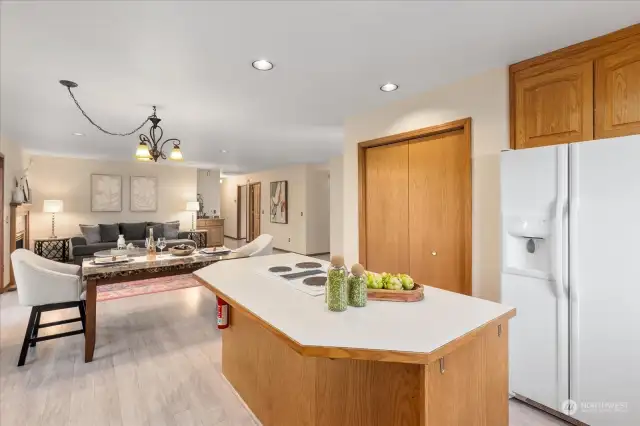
x=151, y=147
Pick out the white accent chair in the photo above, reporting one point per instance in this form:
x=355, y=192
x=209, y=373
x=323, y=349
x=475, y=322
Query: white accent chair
x=261, y=246
x=46, y=285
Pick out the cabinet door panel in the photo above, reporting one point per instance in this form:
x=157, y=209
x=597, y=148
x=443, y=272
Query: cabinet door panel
x=387, y=199
x=555, y=107
x=618, y=93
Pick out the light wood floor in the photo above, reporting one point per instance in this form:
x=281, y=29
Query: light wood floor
x=157, y=362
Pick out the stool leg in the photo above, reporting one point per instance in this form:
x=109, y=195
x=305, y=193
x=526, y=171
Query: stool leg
x=36, y=326
x=27, y=336
x=82, y=315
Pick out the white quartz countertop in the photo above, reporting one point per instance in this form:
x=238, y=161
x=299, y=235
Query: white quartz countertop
x=420, y=327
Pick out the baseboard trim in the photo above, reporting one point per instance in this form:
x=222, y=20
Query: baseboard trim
x=234, y=238
x=317, y=254
x=548, y=410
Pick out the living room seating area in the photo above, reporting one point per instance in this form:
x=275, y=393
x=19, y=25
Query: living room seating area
x=99, y=237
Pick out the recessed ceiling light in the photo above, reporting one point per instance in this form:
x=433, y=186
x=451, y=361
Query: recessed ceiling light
x=389, y=87
x=224, y=151
x=78, y=134
x=262, y=65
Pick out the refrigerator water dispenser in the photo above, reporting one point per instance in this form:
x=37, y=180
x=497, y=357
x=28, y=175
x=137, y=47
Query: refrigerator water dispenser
x=527, y=249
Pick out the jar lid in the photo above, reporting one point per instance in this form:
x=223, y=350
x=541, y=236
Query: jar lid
x=357, y=269
x=337, y=260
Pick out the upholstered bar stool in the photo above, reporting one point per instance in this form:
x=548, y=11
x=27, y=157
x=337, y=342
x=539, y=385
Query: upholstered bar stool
x=46, y=285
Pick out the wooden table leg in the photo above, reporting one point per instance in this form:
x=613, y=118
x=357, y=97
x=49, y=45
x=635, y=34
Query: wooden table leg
x=90, y=332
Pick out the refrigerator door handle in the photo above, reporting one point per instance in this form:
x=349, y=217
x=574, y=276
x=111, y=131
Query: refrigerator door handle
x=558, y=221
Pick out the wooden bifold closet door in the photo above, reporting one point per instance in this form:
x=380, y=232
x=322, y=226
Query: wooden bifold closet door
x=439, y=185
x=387, y=198
x=417, y=198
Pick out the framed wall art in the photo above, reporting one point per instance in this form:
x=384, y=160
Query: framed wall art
x=279, y=202
x=106, y=193
x=144, y=194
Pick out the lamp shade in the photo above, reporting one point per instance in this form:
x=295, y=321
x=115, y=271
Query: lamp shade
x=52, y=206
x=142, y=153
x=176, y=154
x=193, y=206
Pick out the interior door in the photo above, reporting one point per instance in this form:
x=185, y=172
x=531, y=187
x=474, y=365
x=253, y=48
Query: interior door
x=387, y=207
x=534, y=194
x=2, y=222
x=254, y=211
x=439, y=210
x=605, y=230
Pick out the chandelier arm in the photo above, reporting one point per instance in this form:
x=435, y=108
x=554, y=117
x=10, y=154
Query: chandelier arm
x=100, y=128
x=175, y=141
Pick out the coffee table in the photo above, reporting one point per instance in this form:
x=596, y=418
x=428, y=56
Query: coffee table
x=137, y=268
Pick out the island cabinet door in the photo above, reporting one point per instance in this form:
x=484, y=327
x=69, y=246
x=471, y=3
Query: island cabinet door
x=469, y=386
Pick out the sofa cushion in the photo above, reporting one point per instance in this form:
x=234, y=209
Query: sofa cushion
x=91, y=233
x=171, y=230
x=109, y=232
x=158, y=231
x=89, y=250
x=133, y=231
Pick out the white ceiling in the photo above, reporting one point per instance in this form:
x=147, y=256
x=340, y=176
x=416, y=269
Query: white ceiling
x=193, y=60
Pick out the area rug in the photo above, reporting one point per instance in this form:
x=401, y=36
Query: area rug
x=138, y=288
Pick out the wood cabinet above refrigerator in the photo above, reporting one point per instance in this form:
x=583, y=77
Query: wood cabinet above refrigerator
x=587, y=91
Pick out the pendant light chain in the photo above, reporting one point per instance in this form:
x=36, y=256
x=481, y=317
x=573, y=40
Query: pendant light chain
x=100, y=128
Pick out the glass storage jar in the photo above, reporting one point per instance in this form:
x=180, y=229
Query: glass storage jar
x=336, y=288
x=357, y=287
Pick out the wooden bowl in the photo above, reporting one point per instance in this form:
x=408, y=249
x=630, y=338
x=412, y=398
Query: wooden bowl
x=177, y=252
x=414, y=295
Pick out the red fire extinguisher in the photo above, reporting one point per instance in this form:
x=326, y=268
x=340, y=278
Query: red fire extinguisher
x=223, y=313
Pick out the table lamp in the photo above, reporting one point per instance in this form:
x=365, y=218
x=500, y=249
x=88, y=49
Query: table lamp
x=193, y=206
x=53, y=207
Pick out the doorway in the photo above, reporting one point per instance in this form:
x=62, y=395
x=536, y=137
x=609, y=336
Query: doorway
x=424, y=178
x=243, y=217
x=254, y=210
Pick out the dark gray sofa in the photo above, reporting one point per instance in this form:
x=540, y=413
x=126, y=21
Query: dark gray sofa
x=81, y=250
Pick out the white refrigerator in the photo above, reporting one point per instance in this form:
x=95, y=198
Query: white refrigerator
x=571, y=268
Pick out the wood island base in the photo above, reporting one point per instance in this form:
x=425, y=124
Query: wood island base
x=467, y=385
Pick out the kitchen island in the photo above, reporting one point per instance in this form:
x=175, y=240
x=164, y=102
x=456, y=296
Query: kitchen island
x=438, y=362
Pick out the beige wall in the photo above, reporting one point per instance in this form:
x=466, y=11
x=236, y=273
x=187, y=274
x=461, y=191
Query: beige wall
x=68, y=179
x=485, y=99
x=317, y=212
x=292, y=236
x=15, y=160
x=335, y=202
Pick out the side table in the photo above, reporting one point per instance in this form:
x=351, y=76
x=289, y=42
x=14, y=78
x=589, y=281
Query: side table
x=53, y=248
x=198, y=236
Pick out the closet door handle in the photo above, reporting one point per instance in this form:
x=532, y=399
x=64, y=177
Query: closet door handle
x=434, y=253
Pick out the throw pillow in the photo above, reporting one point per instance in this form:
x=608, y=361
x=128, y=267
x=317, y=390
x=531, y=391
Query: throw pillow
x=158, y=231
x=109, y=232
x=171, y=230
x=133, y=231
x=91, y=233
